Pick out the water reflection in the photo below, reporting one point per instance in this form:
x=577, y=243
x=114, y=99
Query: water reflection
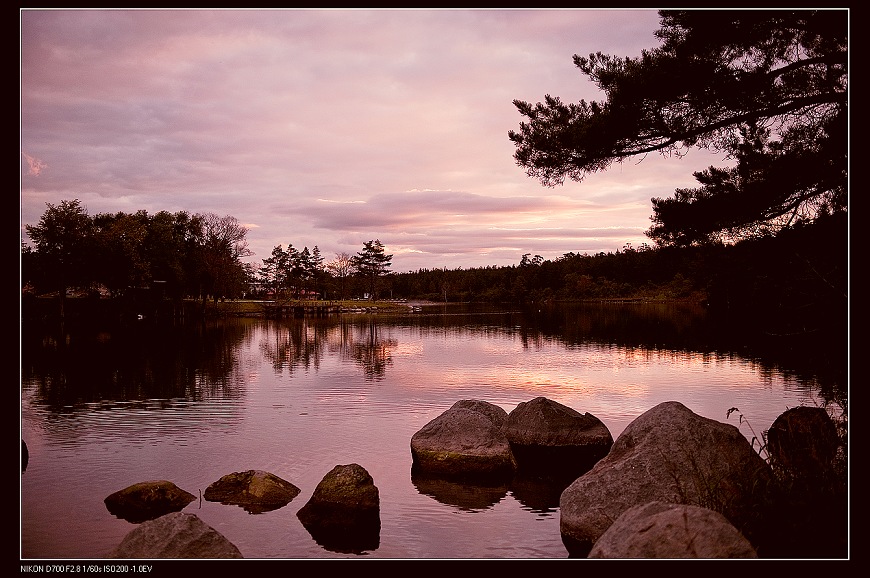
x=99, y=364
x=106, y=405
x=370, y=349
x=654, y=329
x=289, y=346
x=302, y=344
x=356, y=536
x=537, y=491
x=539, y=495
x=200, y=361
x=143, y=369
x=465, y=496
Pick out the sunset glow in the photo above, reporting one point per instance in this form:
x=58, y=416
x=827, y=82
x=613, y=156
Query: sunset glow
x=330, y=127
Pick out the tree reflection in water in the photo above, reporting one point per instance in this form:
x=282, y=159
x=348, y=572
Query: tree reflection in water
x=303, y=343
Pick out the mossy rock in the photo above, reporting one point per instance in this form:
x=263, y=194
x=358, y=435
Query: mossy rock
x=254, y=490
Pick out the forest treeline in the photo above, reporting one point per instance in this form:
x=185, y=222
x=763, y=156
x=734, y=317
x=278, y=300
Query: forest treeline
x=792, y=282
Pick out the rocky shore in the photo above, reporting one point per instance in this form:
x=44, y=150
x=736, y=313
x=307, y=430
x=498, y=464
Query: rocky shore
x=673, y=485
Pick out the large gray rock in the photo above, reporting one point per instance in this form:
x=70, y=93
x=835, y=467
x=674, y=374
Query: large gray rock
x=660, y=530
x=548, y=437
x=464, y=442
x=670, y=454
x=147, y=501
x=175, y=535
x=495, y=413
x=254, y=490
x=343, y=513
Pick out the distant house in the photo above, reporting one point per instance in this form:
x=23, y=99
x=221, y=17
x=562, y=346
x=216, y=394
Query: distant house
x=264, y=291
x=308, y=295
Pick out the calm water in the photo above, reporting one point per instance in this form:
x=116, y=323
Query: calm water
x=106, y=407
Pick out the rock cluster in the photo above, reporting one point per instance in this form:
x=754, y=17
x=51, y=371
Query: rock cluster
x=673, y=485
x=342, y=515
x=669, y=454
x=477, y=440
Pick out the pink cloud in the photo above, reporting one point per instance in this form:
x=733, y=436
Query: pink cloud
x=35, y=166
x=329, y=127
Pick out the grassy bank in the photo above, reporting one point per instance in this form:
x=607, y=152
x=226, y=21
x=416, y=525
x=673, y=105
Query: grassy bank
x=246, y=307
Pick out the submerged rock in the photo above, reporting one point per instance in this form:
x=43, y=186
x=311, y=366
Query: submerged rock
x=254, y=490
x=147, y=501
x=175, y=535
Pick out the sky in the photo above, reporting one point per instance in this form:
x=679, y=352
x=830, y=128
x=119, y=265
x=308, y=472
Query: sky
x=332, y=127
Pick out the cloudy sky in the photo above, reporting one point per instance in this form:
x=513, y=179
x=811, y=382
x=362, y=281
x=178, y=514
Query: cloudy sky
x=331, y=127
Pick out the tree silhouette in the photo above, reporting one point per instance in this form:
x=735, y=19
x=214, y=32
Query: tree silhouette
x=768, y=88
x=372, y=263
x=63, y=240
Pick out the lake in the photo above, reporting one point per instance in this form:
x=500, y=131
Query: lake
x=107, y=406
